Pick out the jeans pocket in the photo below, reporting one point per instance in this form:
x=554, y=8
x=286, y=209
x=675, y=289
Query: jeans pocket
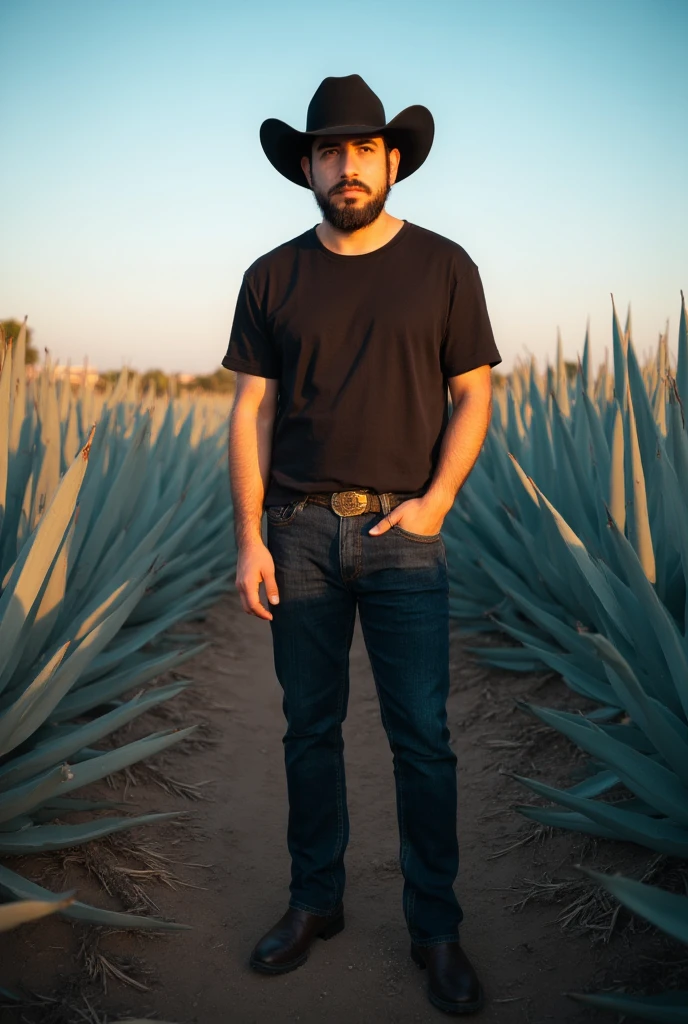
x=282, y=515
x=421, y=538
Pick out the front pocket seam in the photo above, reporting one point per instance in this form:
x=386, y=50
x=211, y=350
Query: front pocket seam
x=419, y=537
x=290, y=519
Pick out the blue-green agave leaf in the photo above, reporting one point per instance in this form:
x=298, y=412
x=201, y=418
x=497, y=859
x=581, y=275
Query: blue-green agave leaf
x=652, y=782
x=663, y=1008
x=57, y=837
x=659, y=834
x=14, y=886
x=666, y=910
x=51, y=751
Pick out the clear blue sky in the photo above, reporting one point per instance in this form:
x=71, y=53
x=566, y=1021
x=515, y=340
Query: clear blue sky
x=134, y=191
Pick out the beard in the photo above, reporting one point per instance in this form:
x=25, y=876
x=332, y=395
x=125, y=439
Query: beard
x=351, y=216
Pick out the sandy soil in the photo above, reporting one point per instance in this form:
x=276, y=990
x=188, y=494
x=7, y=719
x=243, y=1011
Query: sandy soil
x=238, y=837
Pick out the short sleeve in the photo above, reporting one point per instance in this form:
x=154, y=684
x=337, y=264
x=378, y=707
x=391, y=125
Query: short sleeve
x=468, y=340
x=251, y=349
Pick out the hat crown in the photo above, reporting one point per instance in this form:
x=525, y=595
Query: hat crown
x=338, y=102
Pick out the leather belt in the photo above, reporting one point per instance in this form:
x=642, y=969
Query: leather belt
x=355, y=503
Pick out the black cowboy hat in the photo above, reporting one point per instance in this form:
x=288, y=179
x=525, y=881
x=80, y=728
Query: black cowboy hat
x=347, y=106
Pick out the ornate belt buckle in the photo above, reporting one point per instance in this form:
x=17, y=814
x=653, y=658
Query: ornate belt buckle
x=349, y=503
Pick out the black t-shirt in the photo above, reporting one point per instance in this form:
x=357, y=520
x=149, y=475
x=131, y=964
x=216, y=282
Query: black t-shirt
x=362, y=347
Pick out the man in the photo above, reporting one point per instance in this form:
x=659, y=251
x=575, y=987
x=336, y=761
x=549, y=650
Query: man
x=345, y=341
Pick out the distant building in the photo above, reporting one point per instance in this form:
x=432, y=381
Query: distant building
x=76, y=374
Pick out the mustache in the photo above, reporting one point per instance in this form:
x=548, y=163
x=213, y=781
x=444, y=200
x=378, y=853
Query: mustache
x=349, y=184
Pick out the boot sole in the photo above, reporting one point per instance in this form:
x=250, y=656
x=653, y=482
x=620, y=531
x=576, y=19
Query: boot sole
x=442, y=1004
x=328, y=932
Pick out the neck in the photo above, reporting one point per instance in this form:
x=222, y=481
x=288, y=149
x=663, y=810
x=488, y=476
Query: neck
x=367, y=239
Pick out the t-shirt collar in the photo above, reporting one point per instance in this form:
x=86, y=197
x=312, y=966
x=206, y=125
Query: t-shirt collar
x=317, y=244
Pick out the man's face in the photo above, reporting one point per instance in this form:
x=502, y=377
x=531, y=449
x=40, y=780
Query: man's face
x=350, y=178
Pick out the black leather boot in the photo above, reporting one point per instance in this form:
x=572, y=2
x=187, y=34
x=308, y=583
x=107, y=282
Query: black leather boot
x=453, y=985
x=286, y=945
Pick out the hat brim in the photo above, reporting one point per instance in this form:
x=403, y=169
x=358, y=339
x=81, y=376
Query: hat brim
x=411, y=132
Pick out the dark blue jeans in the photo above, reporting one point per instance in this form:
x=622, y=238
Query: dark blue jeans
x=325, y=567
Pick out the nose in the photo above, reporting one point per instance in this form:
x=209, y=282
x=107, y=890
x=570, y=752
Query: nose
x=348, y=167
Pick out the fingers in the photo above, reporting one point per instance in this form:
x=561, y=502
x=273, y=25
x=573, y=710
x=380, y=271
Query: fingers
x=250, y=601
x=248, y=580
x=271, y=586
x=253, y=601
x=386, y=523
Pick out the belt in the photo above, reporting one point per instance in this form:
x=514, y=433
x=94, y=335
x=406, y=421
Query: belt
x=355, y=503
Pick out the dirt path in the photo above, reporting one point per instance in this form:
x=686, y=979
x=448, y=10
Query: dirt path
x=365, y=973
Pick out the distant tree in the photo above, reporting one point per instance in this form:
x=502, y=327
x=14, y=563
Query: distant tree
x=111, y=377
x=221, y=380
x=157, y=378
x=11, y=329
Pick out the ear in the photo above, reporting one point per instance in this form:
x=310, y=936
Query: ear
x=306, y=168
x=394, y=158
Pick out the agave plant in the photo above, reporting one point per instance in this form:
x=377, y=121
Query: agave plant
x=649, y=755
x=22, y=911
x=667, y=911
x=598, y=618
x=571, y=536
x=594, y=455
x=109, y=535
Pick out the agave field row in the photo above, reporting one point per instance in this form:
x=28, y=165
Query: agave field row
x=115, y=524
x=571, y=537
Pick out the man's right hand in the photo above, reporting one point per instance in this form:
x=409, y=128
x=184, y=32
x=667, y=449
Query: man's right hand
x=254, y=565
